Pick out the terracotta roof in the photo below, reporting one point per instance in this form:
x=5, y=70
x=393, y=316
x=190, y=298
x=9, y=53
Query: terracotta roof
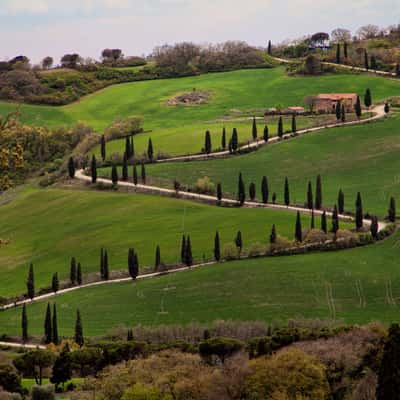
x=337, y=96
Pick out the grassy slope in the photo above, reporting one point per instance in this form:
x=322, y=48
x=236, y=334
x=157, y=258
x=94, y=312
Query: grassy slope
x=361, y=158
x=259, y=289
x=48, y=227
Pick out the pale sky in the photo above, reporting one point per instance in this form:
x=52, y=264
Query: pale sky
x=38, y=28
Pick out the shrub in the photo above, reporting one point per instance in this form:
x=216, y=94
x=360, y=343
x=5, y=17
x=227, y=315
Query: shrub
x=45, y=392
x=315, y=236
x=281, y=243
x=229, y=251
x=205, y=186
x=256, y=249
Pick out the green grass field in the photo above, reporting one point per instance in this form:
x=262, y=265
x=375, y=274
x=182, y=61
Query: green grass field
x=356, y=286
x=48, y=227
x=358, y=158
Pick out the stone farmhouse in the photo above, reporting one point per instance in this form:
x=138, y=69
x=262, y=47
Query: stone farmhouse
x=326, y=103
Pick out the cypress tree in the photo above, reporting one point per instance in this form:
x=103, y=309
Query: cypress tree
x=183, y=249
x=55, y=285
x=273, y=236
x=135, y=175
x=298, y=230
x=264, y=190
x=254, y=129
x=55, y=326
x=269, y=48
x=93, y=169
x=114, y=175
x=286, y=193
x=345, y=50
x=397, y=69
x=359, y=212
x=374, y=227
x=335, y=220
x=392, y=210
x=280, y=128
x=273, y=198
x=223, y=139
x=131, y=255
x=106, y=269
x=48, y=330
x=157, y=264
x=30, y=283
x=341, y=202
x=338, y=110
x=132, y=147
x=125, y=169
x=324, y=227
x=338, y=53
x=143, y=173
x=241, y=191
x=129, y=337
x=79, y=274
x=79, y=340
x=366, y=62
x=294, y=124
x=368, y=98
x=318, y=193
x=136, y=265
x=188, y=253
x=310, y=201
x=150, y=151
x=357, y=107
x=24, y=324
x=217, y=247
x=219, y=193
x=127, y=147
x=71, y=168
x=102, y=263
x=343, y=113
x=252, y=191
x=230, y=148
x=72, y=271
x=387, y=108
x=103, y=147
x=234, y=140
x=389, y=370
x=374, y=65
x=266, y=134
x=207, y=143
x=239, y=242
x=312, y=219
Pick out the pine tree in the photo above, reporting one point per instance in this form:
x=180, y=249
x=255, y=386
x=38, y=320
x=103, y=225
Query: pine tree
x=264, y=190
x=389, y=370
x=387, y=108
x=79, y=340
x=183, y=249
x=125, y=169
x=30, y=283
x=273, y=236
x=106, y=268
x=150, y=151
x=312, y=219
x=252, y=191
x=114, y=175
x=93, y=169
x=357, y=107
x=294, y=124
x=157, y=264
x=392, y=210
x=280, y=128
x=338, y=110
x=366, y=61
x=143, y=173
x=318, y=193
x=135, y=175
x=223, y=139
x=188, y=253
x=207, y=143
x=48, y=330
x=72, y=271
x=341, y=202
x=374, y=65
x=343, y=114
x=103, y=147
x=335, y=220
x=254, y=129
x=374, y=227
x=71, y=168
x=234, y=140
x=24, y=324
x=79, y=274
x=219, y=193
x=345, y=50
x=368, y=98
x=269, y=48
x=241, y=191
x=217, y=247
x=359, y=212
x=55, y=285
x=287, y=192
x=55, y=326
x=239, y=242
x=324, y=226
x=298, y=230
x=266, y=134
x=338, y=53
x=127, y=147
x=310, y=201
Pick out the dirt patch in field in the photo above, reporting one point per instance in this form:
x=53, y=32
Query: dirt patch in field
x=193, y=98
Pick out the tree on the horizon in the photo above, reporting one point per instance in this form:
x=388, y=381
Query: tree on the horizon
x=269, y=48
